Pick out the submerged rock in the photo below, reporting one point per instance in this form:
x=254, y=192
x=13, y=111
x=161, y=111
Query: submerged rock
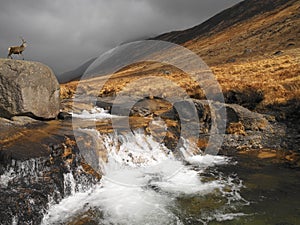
x=28, y=88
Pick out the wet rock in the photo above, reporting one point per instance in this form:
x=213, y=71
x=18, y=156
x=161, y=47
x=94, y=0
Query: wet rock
x=266, y=154
x=250, y=120
x=90, y=148
x=64, y=116
x=170, y=114
x=105, y=102
x=133, y=105
x=236, y=128
x=18, y=121
x=277, y=53
x=121, y=106
x=248, y=98
x=231, y=60
x=244, y=129
x=5, y=122
x=186, y=110
x=23, y=120
x=140, y=111
x=27, y=186
x=28, y=88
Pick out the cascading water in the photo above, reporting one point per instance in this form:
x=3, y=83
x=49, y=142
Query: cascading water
x=144, y=183
x=27, y=187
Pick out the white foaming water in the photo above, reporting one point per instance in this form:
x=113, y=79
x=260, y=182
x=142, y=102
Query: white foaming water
x=7, y=177
x=14, y=220
x=29, y=170
x=69, y=183
x=95, y=114
x=141, y=183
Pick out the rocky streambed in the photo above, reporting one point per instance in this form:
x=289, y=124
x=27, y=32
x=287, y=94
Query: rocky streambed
x=42, y=163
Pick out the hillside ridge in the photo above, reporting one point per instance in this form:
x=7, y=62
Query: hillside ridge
x=238, y=13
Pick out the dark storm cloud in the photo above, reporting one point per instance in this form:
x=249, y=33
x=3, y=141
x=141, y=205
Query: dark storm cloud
x=65, y=33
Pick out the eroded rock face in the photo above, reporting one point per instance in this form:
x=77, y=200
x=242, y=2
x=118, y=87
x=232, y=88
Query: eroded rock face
x=28, y=88
x=26, y=186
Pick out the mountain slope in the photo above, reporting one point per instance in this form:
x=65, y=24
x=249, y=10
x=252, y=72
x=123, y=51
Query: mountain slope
x=240, y=12
x=250, y=28
x=76, y=73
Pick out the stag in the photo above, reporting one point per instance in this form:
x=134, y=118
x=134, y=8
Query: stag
x=17, y=49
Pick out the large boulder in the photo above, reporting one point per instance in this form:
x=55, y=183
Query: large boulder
x=28, y=88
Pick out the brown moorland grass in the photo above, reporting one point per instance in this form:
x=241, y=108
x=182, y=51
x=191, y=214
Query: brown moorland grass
x=276, y=77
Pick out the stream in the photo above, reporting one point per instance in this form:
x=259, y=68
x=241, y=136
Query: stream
x=143, y=182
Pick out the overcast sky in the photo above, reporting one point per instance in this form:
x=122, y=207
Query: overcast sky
x=65, y=33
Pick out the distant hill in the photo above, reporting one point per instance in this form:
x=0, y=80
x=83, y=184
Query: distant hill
x=76, y=73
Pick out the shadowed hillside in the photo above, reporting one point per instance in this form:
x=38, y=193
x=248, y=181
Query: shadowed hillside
x=76, y=73
x=250, y=28
x=239, y=13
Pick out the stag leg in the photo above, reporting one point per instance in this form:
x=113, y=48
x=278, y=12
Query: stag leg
x=22, y=55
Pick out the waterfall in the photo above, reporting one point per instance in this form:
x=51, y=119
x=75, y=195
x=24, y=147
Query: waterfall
x=142, y=183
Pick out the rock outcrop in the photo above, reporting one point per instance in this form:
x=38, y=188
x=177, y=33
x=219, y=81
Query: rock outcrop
x=28, y=88
x=242, y=128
